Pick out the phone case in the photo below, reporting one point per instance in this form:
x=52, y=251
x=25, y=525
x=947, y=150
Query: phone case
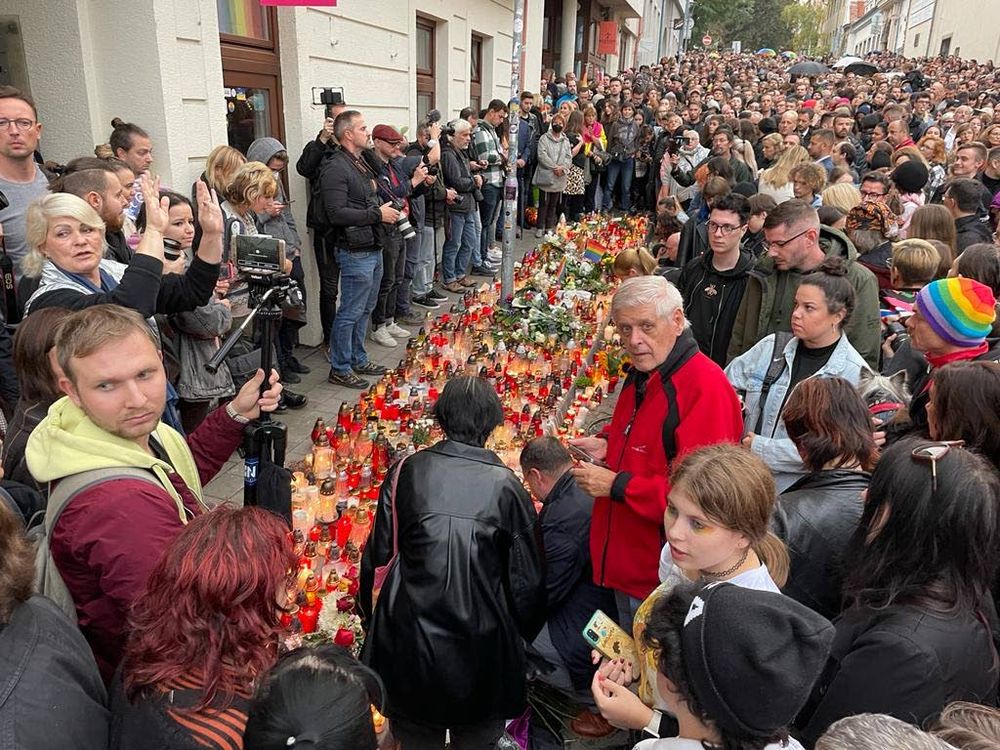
x=605, y=635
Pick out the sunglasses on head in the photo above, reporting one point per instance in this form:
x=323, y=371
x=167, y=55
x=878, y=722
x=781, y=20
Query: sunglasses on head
x=934, y=452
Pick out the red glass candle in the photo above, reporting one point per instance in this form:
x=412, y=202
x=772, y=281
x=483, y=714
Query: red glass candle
x=309, y=616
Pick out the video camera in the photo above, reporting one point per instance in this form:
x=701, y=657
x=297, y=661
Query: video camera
x=258, y=254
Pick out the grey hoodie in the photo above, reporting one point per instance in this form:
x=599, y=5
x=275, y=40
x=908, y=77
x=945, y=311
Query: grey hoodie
x=282, y=226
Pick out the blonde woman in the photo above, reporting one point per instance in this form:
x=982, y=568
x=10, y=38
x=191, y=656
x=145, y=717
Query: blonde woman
x=65, y=239
x=771, y=146
x=777, y=181
x=251, y=191
x=843, y=196
x=221, y=166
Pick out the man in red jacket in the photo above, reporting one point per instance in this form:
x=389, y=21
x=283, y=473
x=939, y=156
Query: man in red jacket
x=139, y=481
x=675, y=399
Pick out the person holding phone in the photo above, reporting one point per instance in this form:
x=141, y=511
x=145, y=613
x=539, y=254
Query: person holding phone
x=674, y=400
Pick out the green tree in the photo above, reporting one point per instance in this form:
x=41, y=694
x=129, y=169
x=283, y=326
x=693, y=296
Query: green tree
x=805, y=21
x=756, y=23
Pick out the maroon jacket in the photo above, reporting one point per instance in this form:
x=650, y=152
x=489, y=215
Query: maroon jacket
x=110, y=537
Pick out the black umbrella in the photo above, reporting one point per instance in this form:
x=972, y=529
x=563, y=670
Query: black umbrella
x=861, y=69
x=808, y=68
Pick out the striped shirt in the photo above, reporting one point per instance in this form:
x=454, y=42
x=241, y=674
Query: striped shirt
x=209, y=727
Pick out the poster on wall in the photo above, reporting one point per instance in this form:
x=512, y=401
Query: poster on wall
x=607, y=38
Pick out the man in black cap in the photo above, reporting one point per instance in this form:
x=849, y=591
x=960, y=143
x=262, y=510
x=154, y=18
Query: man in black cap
x=735, y=666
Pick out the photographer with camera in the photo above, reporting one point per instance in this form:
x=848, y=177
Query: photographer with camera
x=310, y=165
x=427, y=212
x=397, y=181
x=357, y=217
x=461, y=185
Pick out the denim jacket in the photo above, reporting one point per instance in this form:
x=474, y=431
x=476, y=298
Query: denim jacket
x=746, y=374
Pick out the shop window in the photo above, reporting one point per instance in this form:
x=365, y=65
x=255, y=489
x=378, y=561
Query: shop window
x=426, y=85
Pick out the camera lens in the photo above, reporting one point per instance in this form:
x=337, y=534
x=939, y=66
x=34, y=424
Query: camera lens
x=591, y=634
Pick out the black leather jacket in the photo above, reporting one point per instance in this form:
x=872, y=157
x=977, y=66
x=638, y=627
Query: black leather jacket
x=466, y=587
x=816, y=517
x=455, y=170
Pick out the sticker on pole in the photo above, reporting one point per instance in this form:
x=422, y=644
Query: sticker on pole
x=706, y=40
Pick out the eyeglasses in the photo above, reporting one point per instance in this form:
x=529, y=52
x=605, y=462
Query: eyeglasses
x=934, y=452
x=726, y=229
x=869, y=195
x=21, y=123
x=782, y=243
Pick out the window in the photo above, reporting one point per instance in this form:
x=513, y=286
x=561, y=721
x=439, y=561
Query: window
x=945, y=47
x=251, y=72
x=916, y=40
x=245, y=22
x=425, y=66
x=476, y=73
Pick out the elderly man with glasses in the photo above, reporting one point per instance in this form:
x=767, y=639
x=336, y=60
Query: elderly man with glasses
x=796, y=244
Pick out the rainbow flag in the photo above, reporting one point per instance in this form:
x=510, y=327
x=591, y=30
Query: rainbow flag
x=594, y=251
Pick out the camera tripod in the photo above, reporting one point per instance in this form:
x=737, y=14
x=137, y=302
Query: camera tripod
x=264, y=439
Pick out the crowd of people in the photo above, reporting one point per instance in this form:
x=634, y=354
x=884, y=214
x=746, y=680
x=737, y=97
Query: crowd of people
x=789, y=526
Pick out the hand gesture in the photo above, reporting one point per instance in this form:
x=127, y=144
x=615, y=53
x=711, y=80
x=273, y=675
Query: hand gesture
x=434, y=130
x=451, y=195
x=389, y=214
x=209, y=213
x=250, y=403
x=478, y=179
x=157, y=209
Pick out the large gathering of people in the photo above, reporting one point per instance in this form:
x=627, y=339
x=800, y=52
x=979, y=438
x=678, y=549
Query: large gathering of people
x=790, y=517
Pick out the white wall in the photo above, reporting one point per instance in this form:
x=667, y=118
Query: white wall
x=58, y=75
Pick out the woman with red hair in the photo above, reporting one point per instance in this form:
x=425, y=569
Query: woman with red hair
x=202, y=633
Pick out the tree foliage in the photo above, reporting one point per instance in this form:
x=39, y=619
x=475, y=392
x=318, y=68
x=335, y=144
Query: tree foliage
x=756, y=23
x=805, y=21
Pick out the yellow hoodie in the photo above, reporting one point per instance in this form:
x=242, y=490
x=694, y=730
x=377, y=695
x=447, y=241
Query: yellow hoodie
x=66, y=442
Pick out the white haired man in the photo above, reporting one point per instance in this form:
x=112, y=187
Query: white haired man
x=675, y=399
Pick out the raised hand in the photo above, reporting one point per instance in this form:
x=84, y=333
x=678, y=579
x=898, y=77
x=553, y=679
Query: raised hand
x=209, y=213
x=157, y=208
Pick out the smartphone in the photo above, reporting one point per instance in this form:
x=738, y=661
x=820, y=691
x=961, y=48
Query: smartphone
x=605, y=635
x=581, y=455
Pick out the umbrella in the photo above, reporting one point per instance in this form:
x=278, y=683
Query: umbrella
x=845, y=61
x=861, y=68
x=766, y=52
x=808, y=68
x=788, y=55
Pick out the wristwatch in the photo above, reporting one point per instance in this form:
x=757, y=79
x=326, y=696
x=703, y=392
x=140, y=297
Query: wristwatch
x=653, y=727
x=236, y=416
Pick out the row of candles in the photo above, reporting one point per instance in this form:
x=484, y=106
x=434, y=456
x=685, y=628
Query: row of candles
x=546, y=386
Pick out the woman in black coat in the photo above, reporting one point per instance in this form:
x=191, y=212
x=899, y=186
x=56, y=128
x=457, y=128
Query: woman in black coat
x=817, y=516
x=465, y=588
x=916, y=635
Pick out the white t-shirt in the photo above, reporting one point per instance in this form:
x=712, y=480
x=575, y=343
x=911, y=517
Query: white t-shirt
x=758, y=579
x=679, y=743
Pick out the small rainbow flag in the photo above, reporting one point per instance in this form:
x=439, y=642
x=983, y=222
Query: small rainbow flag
x=594, y=251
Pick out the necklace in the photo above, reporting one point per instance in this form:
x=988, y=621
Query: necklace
x=723, y=574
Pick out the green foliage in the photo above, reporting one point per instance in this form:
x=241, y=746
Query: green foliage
x=805, y=21
x=756, y=23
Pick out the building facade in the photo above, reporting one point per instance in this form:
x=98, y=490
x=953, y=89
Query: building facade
x=199, y=73
x=915, y=28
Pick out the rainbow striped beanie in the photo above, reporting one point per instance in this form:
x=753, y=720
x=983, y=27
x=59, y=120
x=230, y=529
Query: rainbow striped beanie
x=961, y=311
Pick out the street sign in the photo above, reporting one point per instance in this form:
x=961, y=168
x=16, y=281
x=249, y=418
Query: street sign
x=706, y=40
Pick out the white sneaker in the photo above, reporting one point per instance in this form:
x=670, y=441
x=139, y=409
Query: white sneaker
x=382, y=337
x=395, y=330
x=494, y=255
x=539, y=233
